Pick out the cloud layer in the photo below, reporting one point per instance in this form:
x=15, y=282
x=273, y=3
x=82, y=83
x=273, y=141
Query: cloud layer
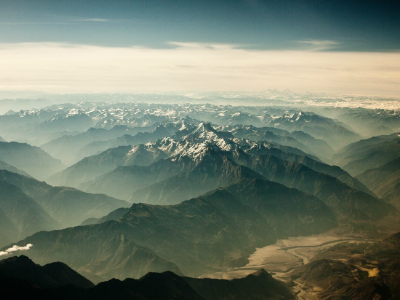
x=70, y=68
x=14, y=249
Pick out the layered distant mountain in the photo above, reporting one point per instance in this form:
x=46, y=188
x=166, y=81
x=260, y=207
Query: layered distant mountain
x=40, y=126
x=123, y=162
x=368, y=122
x=94, y=166
x=384, y=181
x=218, y=169
x=184, y=155
x=29, y=159
x=317, y=146
x=370, y=153
x=72, y=121
x=269, y=199
x=209, y=161
x=123, y=181
x=21, y=215
x=67, y=147
x=295, y=139
x=9, y=231
x=70, y=207
x=320, y=179
x=10, y=168
x=125, y=140
x=20, y=278
x=334, y=133
x=311, y=163
x=36, y=126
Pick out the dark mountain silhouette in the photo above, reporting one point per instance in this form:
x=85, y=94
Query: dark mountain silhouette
x=257, y=286
x=52, y=275
x=20, y=278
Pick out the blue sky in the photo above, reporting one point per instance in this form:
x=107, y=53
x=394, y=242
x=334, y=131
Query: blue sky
x=258, y=24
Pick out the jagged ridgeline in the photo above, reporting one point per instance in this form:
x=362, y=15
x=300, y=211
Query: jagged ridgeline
x=139, y=197
x=21, y=278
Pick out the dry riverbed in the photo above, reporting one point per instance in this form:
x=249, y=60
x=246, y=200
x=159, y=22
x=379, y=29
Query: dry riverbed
x=285, y=255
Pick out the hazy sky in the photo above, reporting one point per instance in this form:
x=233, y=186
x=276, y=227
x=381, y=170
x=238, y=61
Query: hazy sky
x=205, y=45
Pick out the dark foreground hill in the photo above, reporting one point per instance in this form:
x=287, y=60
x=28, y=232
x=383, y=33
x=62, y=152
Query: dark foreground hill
x=52, y=275
x=20, y=278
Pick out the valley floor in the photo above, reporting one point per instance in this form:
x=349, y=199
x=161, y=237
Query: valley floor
x=286, y=255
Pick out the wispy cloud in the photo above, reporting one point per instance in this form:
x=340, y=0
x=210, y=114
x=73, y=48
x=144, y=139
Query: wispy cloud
x=15, y=248
x=318, y=45
x=60, y=21
x=211, y=46
x=91, y=20
x=71, y=68
x=35, y=23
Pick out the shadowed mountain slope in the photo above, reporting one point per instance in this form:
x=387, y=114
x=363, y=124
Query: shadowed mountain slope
x=30, y=159
x=23, y=216
x=370, y=153
x=70, y=207
x=344, y=200
x=201, y=235
x=384, y=181
x=214, y=170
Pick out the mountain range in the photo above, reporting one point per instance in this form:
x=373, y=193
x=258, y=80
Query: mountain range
x=366, y=154
x=150, y=201
x=204, y=234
